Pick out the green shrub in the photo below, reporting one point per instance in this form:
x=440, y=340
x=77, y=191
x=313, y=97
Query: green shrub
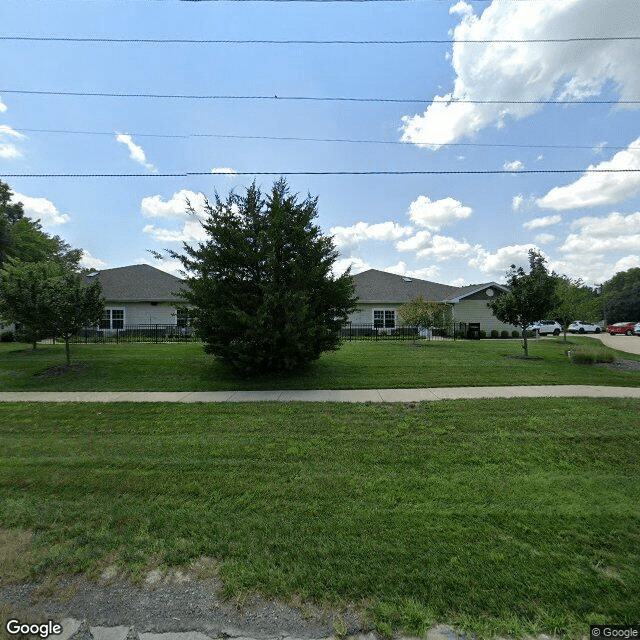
x=587, y=354
x=515, y=333
x=504, y=333
x=483, y=334
x=7, y=336
x=494, y=333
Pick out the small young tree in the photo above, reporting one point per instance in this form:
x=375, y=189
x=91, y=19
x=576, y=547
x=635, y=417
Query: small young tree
x=48, y=300
x=263, y=295
x=423, y=313
x=572, y=300
x=530, y=295
x=73, y=305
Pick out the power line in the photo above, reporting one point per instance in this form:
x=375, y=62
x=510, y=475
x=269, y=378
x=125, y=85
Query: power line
x=183, y=136
x=160, y=96
x=318, y=173
x=89, y=40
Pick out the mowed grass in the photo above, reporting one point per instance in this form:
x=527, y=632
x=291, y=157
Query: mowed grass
x=356, y=365
x=504, y=516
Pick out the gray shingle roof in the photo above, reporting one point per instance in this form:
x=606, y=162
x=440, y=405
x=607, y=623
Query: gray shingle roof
x=137, y=283
x=380, y=286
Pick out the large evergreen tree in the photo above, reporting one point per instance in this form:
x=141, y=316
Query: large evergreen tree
x=261, y=284
x=530, y=295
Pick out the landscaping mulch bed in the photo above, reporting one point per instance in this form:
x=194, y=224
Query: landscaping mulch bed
x=62, y=370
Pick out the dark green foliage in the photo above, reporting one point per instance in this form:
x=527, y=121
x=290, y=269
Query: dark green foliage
x=7, y=336
x=573, y=300
x=261, y=285
x=530, y=295
x=494, y=333
x=24, y=239
x=515, y=334
x=621, y=296
x=47, y=299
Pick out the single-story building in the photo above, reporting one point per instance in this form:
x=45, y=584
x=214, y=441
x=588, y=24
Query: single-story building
x=380, y=294
x=139, y=295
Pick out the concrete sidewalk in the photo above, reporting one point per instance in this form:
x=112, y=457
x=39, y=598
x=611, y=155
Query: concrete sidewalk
x=327, y=395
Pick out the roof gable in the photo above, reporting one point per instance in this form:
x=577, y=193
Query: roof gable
x=137, y=283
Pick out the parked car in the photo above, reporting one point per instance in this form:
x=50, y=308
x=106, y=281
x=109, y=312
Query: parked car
x=621, y=327
x=545, y=327
x=636, y=329
x=580, y=326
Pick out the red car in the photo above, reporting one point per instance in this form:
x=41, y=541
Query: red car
x=621, y=327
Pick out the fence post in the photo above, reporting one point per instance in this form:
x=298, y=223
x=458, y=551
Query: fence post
x=156, y=333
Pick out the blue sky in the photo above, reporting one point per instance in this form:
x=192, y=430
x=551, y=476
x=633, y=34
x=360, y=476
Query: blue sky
x=450, y=228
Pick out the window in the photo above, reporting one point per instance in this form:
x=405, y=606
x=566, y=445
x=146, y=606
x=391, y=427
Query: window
x=182, y=318
x=112, y=319
x=384, y=318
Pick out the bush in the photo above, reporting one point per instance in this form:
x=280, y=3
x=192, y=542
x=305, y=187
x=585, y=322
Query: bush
x=7, y=336
x=584, y=354
x=515, y=333
x=494, y=333
x=504, y=333
x=483, y=334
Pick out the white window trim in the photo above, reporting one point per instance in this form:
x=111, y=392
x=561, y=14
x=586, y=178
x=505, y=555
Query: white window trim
x=384, y=321
x=111, y=310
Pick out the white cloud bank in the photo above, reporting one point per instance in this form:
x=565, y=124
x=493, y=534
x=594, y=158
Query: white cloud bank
x=91, y=262
x=527, y=72
x=175, y=208
x=41, y=209
x=3, y=106
x=8, y=150
x=538, y=223
x=363, y=231
x=435, y=214
x=595, y=189
x=136, y=152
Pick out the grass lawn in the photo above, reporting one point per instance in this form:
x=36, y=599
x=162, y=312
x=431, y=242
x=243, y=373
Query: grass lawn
x=357, y=365
x=508, y=516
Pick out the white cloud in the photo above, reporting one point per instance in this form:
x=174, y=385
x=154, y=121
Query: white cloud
x=499, y=262
x=538, y=223
x=136, y=153
x=8, y=150
x=358, y=265
x=444, y=248
x=363, y=231
x=527, y=72
x=401, y=269
x=593, y=189
x=175, y=207
x=91, y=262
x=3, y=107
x=191, y=231
x=438, y=213
x=517, y=201
x=544, y=238
x=615, y=233
x=415, y=242
x=225, y=170
x=174, y=267
x=41, y=209
x=513, y=165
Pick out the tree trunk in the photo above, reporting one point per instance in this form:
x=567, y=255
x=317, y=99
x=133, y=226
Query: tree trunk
x=67, y=351
x=525, y=344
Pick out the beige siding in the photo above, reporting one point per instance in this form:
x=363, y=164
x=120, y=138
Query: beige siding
x=364, y=313
x=478, y=311
x=145, y=312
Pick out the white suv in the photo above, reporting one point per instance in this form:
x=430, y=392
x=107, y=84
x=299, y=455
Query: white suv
x=545, y=327
x=580, y=326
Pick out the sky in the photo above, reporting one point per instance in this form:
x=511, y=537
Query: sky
x=490, y=125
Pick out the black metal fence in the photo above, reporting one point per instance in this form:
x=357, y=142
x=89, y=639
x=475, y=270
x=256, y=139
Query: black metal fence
x=451, y=331
x=156, y=333
x=134, y=333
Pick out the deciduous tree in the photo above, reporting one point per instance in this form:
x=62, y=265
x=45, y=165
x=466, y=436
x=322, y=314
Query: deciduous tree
x=530, y=295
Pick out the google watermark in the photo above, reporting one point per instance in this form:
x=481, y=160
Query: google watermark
x=43, y=630
x=605, y=631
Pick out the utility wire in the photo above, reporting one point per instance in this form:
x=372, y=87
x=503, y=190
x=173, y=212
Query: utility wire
x=317, y=173
x=103, y=94
x=89, y=40
x=185, y=136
